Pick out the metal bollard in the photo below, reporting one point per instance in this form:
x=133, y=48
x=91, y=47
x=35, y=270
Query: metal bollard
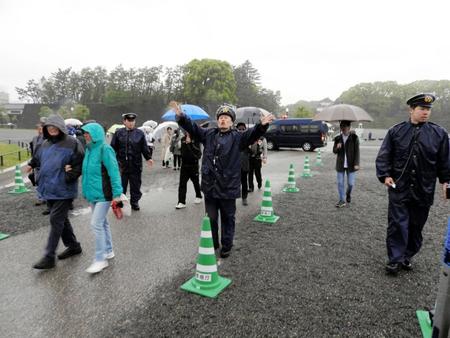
x=1, y=160
x=441, y=320
x=19, y=155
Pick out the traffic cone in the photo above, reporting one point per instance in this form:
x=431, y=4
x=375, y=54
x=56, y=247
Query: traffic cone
x=267, y=215
x=206, y=281
x=290, y=186
x=306, y=169
x=20, y=186
x=319, y=159
x=3, y=236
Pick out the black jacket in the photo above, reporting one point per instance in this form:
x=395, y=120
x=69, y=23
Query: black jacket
x=190, y=153
x=130, y=146
x=414, y=155
x=221, y=164
x=350, y=148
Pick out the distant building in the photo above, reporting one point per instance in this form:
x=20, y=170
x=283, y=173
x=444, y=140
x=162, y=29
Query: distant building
x=4, y=97
x=14, y=108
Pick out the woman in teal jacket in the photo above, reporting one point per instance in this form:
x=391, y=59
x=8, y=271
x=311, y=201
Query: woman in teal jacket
x=101, y=184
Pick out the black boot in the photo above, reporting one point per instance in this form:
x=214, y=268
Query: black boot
x=69, y=252
x=45, y=263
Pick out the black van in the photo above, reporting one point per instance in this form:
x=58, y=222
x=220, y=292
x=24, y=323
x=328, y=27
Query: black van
x=297, y=133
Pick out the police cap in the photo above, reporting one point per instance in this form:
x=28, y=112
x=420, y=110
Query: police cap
x=422, y=100
x=226, y=110
x=129, y=116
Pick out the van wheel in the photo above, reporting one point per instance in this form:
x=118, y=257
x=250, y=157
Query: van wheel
x=271, y=145
x=307, y=146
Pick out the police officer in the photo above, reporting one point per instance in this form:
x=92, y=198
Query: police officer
x=221, y=168
x=130, y=145
x=413, y=154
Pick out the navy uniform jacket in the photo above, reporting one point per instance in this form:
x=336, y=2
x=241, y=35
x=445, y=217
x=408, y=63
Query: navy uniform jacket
x=130, y=146
x=414, y=156
x=221, y=164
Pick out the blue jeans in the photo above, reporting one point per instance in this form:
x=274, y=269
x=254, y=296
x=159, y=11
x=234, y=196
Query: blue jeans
x=100, y=226
x=340, y=183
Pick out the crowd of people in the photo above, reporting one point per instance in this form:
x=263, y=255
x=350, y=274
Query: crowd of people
x=413, y=155
x=60, y=157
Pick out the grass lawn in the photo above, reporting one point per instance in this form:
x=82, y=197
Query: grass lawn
x=13, y=155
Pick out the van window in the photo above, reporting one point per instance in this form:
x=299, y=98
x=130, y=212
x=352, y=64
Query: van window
x=304, y=128
x=313, y=128
x=289, y=128
x=272, y=127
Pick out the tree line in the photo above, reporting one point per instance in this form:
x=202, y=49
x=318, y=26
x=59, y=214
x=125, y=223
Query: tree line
x=207, y=83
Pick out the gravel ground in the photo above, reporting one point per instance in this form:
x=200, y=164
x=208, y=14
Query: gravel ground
x=319, y=271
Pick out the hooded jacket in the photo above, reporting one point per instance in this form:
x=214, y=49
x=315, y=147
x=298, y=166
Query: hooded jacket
x=221, y=164
x=54, y=183
x=414, y=155
x=100, y=184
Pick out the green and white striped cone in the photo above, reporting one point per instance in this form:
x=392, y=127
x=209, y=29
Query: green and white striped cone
x=306, y=169
x=319, y=159
x=3, y=236
x=267, y=215
x=290, y=186
x=20, y=186
x=206, y=281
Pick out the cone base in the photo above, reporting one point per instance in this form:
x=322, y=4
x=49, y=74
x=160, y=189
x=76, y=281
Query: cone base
x=267, y=219
x=192, y=286
x=3, y=236
x=319, y=164
x=306, y=175
x=291, y=189
x=425, y=323
x=20, y=191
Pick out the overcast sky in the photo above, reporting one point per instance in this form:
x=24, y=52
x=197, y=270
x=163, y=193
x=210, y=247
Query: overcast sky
x=306, y=49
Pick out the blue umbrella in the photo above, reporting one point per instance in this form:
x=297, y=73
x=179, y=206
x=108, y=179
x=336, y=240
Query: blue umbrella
x=194, y=112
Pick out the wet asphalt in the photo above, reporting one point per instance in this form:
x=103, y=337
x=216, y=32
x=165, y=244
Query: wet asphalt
x=152, y=247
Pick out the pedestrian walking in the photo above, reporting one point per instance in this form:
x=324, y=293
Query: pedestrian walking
x=167, y=137
x=35, y=144
x=150, y=138
x=413, y=154
x=245, y=159
x=60, y=159
x=221, y=168
x=130, y=145
x=175, y=149
x=258, y=156
x=190, y=155
x=346, y=147
x=101, y=183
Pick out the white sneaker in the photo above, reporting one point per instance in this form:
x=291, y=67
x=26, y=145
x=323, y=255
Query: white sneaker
x=180, y=206
x=97, y=266
x=110, y=255
x=198, y=200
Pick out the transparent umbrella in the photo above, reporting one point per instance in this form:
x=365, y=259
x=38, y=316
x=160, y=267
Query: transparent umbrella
x=341, y=112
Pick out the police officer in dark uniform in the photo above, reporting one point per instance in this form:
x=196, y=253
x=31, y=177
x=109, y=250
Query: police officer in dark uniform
x=413, y=154
x=221, y=168
x=130, y=145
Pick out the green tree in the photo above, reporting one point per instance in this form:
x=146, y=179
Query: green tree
x=45, y=111
x=209, y=83
x=302, y=111
x=81, y=112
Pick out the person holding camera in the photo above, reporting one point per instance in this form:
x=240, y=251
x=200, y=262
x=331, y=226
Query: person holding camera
x=413, y=154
